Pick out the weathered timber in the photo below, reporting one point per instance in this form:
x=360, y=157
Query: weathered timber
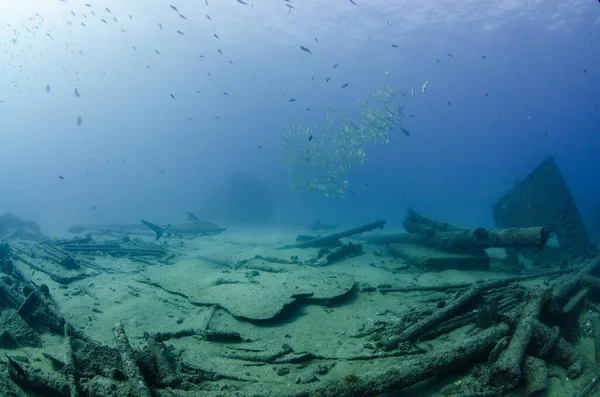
x=428, y=258
x=332, y=239
x=414, y=331
x=551, y=346
x=495, y=283
x=596, y=337
x=411, y=371
x=36, y=381
x=15, y=332
x=69, y=369
x=450, y=310
x=507, y=370
x=536, y=375
x=167, y=374
x=10, y=295
x=419, y=223
x=468, y=241
x=569, y=285
x=139, y=388
x=575, y=300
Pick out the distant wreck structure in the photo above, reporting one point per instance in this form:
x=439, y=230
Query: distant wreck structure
x=543, y=198
x=526, y=217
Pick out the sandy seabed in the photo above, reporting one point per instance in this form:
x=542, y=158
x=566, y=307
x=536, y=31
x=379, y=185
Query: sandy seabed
x=283, y=311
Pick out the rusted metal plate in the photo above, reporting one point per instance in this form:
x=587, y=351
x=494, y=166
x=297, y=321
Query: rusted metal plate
x=543, y=199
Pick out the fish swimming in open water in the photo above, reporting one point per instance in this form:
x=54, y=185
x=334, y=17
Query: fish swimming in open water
x=191, y=229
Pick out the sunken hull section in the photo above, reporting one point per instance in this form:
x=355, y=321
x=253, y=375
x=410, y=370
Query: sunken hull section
x=543, y=199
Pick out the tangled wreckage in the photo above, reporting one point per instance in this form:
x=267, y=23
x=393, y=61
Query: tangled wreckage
x=532, y=323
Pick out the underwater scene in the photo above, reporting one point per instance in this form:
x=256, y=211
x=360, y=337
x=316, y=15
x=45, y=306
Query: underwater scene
x=297, y=198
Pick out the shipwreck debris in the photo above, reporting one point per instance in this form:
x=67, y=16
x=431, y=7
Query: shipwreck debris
x=112, y=229
x=345, y=251
x=138, y=386
x=125, y=246
x=87, y=367
x=416, y=222
x=510, y=363
x=409, y=372
x=467, y=241
x=432, y=244
x=428, y=258
x=507, y=368
x=554, y=208
x=68, y=260
x=452, y=330
x=332, y=239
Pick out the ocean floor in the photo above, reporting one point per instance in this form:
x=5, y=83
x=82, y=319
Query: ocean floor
x=300, y=326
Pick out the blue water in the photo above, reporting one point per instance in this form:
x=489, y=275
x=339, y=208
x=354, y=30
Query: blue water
x=522, y=83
